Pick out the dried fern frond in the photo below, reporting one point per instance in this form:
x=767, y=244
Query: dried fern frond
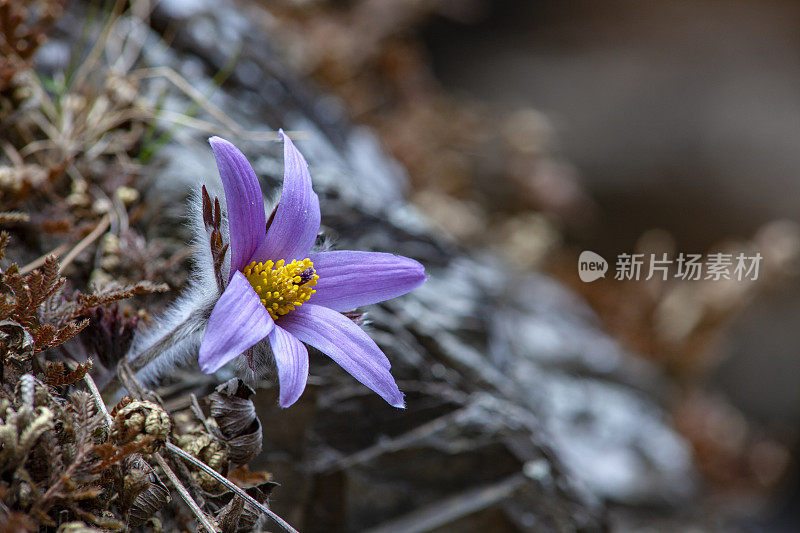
x=56, y=373
x=82, y=304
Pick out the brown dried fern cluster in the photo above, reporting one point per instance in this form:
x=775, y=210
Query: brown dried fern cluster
x=36, y=314
x=67, y=463
x=63, y=464
x=70, y=158
x=52, y=454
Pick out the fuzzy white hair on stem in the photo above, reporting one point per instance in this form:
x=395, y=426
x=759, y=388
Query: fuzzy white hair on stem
x=174, y=338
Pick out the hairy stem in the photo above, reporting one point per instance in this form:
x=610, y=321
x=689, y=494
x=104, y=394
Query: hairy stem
x=179, y=333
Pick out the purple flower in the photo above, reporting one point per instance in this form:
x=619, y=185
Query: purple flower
x=278, y=292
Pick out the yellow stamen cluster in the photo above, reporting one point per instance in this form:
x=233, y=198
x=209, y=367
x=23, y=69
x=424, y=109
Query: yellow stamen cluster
x=282, y=287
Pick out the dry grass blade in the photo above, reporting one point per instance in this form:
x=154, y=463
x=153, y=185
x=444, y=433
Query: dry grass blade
x=97, y=51
x=230, y=485
x=202, y=517
x=13, y=217
x=101, y=405
x=56, y=252
x=101, y=227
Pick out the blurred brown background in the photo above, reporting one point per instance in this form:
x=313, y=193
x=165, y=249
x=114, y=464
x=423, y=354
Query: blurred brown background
x=678, y=115
x=538, y=129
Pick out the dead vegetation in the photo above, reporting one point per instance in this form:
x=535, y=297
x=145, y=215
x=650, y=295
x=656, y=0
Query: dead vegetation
x=64, y=458
x=72, y=150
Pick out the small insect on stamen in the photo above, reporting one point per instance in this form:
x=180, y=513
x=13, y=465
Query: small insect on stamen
x=307, y=275
x=282, y=287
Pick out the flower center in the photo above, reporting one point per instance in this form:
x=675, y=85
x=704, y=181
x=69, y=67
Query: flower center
x=282, y=287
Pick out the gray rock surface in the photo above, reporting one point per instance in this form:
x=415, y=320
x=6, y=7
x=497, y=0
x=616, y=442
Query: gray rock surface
x=522, y=414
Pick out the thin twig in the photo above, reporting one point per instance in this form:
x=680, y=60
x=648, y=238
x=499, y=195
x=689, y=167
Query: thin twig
x=101, y=227
x=235, y=488
x=98, y=399
x=198, y=412
x=184, y=85
x=184, y=493
x=200, y=99
x=97, y=51
x=128, y=380
x=36, y=263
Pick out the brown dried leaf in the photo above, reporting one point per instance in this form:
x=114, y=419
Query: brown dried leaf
x=16, y=338
x=148, y=502
x=232, y=407
x=22, y=310
x=43, y=336
x=243, y=477
x=230, y=515
x=143, y=493
x=48, y=336
x=69, y=331
x=136, y=478
x=239, y=427
x=54, y=372
x=244, y=448
x=52, y=280
x=84, y=416
x=237, y=515
x=125, y=400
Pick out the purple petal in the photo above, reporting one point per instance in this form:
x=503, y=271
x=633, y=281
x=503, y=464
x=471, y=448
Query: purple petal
x=351, y=279
x=291, y=358
x=237, y=322
x=294, y=228
x=244, y=202
x=340, y=339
